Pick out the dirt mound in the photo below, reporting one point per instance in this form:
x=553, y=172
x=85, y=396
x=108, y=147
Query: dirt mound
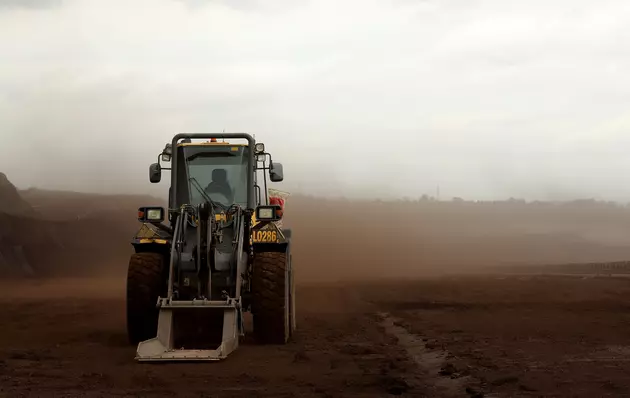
x=11, y=202
x=21, y=237
x=68, y=205
x=49, y=233
x=25, y=243
x=31, y=246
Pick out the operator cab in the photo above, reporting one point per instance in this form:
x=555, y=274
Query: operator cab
x=218, y=172
x=223, y=173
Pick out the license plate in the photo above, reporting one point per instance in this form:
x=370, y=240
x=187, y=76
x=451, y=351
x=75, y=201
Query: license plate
x=265, y=236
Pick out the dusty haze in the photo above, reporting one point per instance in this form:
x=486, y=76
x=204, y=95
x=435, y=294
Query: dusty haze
x=70, y=234
x=485, y=99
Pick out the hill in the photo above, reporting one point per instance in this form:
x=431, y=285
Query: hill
x=11, y=202
x=49, y=232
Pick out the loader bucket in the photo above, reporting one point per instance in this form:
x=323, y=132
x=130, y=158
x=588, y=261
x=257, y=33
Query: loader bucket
x=193, y=331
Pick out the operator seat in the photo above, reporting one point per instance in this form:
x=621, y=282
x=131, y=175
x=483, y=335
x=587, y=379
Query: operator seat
x=220, y=185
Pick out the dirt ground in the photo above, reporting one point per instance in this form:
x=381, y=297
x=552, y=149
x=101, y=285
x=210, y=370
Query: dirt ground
x=67, y=338
x=451, y=336
x=524, y=336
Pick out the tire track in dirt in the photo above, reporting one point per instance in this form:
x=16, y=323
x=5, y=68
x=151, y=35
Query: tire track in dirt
x=436, y=373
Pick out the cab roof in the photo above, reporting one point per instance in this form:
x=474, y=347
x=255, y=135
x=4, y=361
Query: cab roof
x=208, y=143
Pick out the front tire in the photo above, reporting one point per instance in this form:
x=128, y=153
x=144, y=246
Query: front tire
x=145, y=283
x=271, y=298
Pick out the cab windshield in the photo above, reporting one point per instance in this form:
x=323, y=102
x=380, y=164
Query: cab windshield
x=219, y=170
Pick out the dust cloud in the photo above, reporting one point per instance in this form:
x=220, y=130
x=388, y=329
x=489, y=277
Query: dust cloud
x=66, y=234
x=343, y=240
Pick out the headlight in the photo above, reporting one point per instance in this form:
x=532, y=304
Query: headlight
x=260, y=147
x=151, y=214
x=267, y=213
x=154, y=214
x=167, y=152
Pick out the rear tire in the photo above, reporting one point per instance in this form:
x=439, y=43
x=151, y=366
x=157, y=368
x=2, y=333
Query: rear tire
x=271, y=293
x=145, y=282
x=292, y=299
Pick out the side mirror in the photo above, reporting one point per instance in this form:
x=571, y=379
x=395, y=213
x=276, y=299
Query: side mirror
x=276, y=173
x=155, y=173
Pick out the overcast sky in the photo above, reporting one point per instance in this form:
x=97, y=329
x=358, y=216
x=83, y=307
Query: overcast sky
x=488, y=99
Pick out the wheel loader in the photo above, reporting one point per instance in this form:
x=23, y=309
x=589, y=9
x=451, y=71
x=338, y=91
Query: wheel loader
x=214, y=254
